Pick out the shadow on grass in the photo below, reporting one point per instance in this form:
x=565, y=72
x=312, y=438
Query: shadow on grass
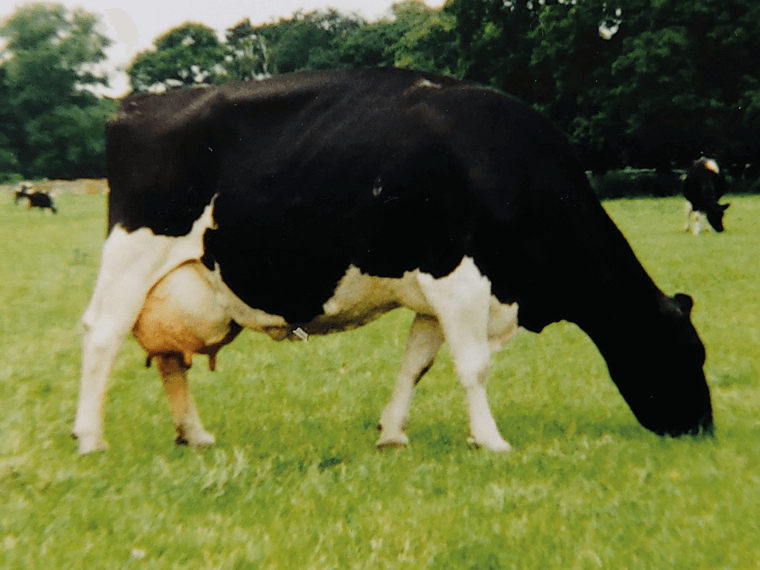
x=522, y=429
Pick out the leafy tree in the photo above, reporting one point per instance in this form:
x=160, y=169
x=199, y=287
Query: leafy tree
x=370, y=45
x=574, y=47
x=248, y=54
x=496, y=41
x=427, y=38
x=186, y=56
x=550, y=54
x=309, y=41
x=666, y=81
x=52, y=122
x=8, y=128
x=417, y=36
x=68, y=140
x=682, y=78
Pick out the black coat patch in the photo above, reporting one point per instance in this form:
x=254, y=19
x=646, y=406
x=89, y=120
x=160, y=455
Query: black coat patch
x=316, y=171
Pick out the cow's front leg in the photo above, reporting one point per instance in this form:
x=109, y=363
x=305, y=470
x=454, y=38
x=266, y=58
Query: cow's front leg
x=186, y=421
x=130, y=266
x=425, y=338
x=461, y=302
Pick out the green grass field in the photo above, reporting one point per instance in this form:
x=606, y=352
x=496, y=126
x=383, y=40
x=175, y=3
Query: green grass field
x=295, y=481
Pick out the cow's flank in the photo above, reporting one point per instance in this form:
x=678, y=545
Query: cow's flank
x=312, y=203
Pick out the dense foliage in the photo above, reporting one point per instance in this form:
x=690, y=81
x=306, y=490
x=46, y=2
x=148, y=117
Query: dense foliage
x=417, y=36
x=51, y=120
x=183, y=57
x=643, y=83
x=646, y=82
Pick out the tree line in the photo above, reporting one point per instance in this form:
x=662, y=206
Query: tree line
x=643, y=83
x=51, y=119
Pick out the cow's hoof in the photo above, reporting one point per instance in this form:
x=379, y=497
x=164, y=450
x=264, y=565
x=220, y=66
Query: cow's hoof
x=90, y=443
x=498, y=445
x=396, y=441
x=203, y=439
x=200, y=438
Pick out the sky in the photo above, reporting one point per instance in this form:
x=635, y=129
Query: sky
x=134, y=24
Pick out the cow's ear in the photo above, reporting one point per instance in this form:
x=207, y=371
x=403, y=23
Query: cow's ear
x=684, y=303
x=724, y=207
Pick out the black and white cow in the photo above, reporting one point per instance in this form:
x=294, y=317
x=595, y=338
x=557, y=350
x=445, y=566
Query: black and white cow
x=312, y=203
x=703, y=186
x=36, y=199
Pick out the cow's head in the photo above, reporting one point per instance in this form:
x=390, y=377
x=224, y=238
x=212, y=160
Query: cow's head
x=661, y=376
x=715, y=216
x=22, y=192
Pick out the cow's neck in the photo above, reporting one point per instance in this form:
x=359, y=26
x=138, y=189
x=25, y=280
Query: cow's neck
x=619, y=319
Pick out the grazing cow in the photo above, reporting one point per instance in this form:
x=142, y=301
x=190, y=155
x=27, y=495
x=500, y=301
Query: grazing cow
x=312, y=203
x=36, y=199
x=703, y=186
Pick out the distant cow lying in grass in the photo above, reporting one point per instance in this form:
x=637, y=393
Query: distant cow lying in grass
x=703, y=186
x=313, y=203
x=36, y=199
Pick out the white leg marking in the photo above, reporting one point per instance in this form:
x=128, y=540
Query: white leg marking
x=425, y=338
x=131, y=263
x=461, y=302
x=689, y=212
x=186, y=420
x=128, y=270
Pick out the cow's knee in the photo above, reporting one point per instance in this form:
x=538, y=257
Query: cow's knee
x=472, y=362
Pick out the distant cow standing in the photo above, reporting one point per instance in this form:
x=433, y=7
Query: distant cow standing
x=703, y=186
x=313, y=203
x=37, y=199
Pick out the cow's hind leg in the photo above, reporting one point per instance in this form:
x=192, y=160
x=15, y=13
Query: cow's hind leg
x=130, y=266
x=186, y=421
x=425, y=338
x=461, y=302
x=689, y=211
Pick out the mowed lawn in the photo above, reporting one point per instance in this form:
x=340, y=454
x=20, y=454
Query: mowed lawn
x=295, y=480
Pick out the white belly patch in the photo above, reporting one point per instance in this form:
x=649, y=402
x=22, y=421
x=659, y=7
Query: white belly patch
x=191, y=311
